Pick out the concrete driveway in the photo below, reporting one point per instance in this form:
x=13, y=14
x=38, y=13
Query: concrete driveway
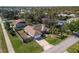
x=63, y=46
x=44, y=44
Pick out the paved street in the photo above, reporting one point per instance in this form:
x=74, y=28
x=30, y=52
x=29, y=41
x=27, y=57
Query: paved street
x=63, y=45
x=0, y=47
x=8, y=43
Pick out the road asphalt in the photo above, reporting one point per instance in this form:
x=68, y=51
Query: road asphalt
x=0, y=47
x=63, y=46
x=7, y=39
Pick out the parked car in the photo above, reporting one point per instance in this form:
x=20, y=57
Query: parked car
x=38, y=37
x=76, y=34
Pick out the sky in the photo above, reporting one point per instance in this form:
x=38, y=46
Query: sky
x=39, y=2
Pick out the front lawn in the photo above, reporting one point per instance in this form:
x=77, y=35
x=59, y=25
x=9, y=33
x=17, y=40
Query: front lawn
x=74, y=48
x=54, y=41
x=20, y=47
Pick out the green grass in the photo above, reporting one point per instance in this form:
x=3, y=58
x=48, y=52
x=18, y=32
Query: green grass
x=2, y=43
x=54, y=41
x=74, y=48
x=20, y=47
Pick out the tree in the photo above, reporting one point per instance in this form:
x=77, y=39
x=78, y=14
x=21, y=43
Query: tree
x=7, y=25
x=73, y=26
x=12, y=32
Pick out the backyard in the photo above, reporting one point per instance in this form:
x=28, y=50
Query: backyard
x=20, y=47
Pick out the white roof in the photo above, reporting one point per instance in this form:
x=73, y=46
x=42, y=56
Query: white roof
x=72, y=15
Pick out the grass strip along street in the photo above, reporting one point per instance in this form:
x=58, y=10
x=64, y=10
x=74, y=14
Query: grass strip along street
x=74, y=48
x=2, y=39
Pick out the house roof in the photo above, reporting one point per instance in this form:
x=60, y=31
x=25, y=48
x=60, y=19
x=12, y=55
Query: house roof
x=71, y=15
x=19, y=24
x=19, y=20
x=39, y=27
x=31, y=31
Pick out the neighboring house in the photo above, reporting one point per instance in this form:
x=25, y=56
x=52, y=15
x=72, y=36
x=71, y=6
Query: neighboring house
x=45, y=20
x=40, y=27
x=72, y=19
x=62, y=15
x=72, y=15
x=69, y=15
x=32, y=32
x=19, y=24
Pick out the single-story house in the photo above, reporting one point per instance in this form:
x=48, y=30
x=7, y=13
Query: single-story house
x=72, y=19
x=40, y=27
x=69, y=15
x=45, y=20
x=32, y=32
x=19, y=24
